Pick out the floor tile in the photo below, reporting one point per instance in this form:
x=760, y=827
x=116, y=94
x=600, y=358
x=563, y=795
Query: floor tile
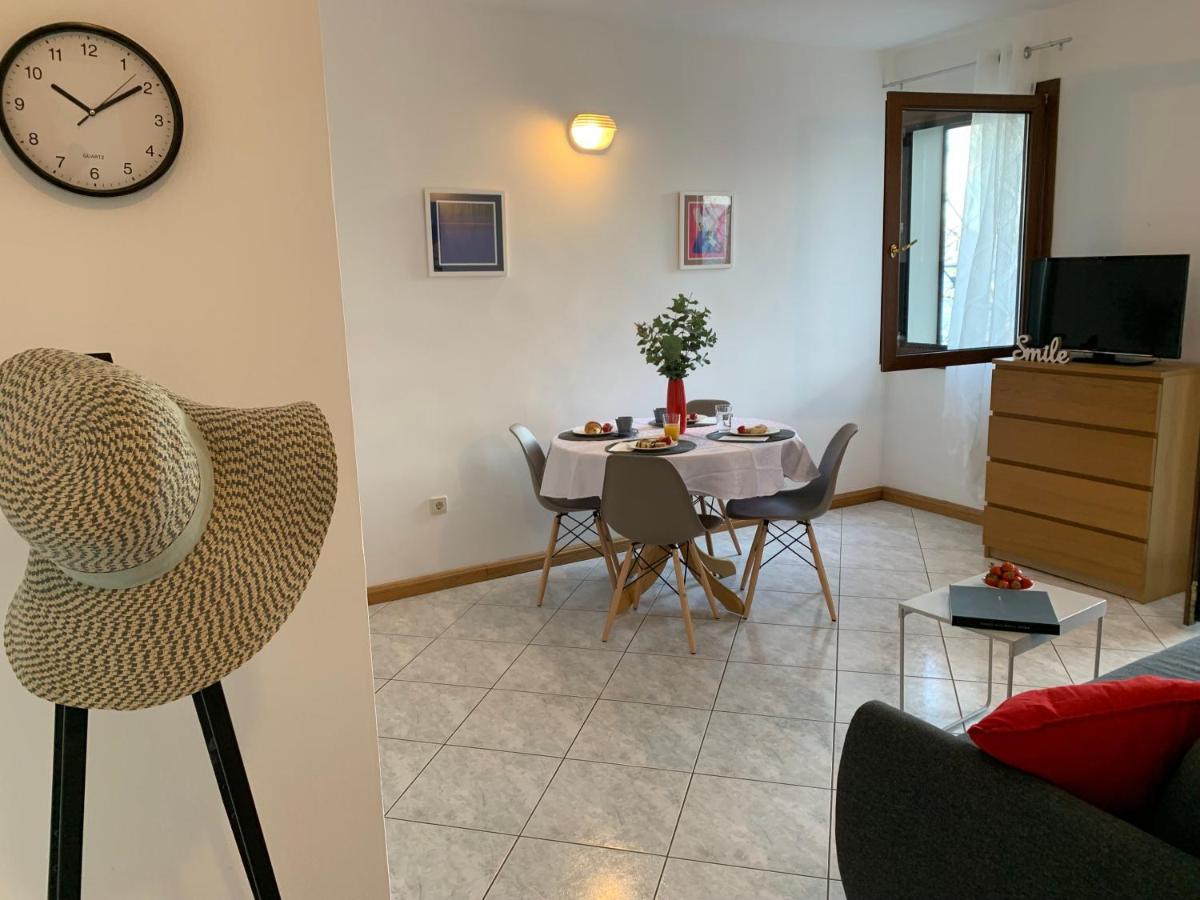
x=1040, y=666
x=667, y=680
x=878, y=614
x=1120, y=633
x=836, y=891
x=423, y=712
x=834, y=868
x=380, y=682
x=839, y=740
x=485, y=789
x=778, y=691
x=749, y=823
x=938, y=538
x=685, y=879
x=665, y=602
x=931, y=699
x=639, y=734
x=427, y=616
x=1168, y=607
x=593, y=595
x=938, y=580
x=399, y=763
x=796, y=579
x=619, y=807
x=894, y=559
x=524, y=722
x=520, y=590
x=973, y=694
x=499, y=623
x=786, y=645
x=452, y=661
x=549, y=870
x=789, y=608
x=392, y=652
x=951, y=560
x=1171, y=632
x=433, y=861
x=883, y=583
x=560, y=670
x=1081, y=661
x=881, y=513
x=924, y=654
x=584, y=628
x=896, y=538
x=764, y=748
x=663, y=635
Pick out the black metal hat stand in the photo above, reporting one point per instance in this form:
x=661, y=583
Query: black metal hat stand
x=66, y=810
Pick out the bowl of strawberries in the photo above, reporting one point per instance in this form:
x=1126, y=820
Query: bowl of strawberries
x=1007, y=576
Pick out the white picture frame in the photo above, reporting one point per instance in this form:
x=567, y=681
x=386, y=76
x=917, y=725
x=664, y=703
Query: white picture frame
x=696, y=224
x=464, y=253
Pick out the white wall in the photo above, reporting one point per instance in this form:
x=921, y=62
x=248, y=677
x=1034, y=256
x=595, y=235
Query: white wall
x=1127, y=180
x=221, y=282
x=438, y=95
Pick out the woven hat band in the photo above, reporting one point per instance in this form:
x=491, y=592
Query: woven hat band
x=175, y=552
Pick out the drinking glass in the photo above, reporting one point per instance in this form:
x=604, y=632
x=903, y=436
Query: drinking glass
x=671, y=425
x=724, y=413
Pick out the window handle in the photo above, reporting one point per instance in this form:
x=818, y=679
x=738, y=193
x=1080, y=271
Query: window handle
x=895, y=250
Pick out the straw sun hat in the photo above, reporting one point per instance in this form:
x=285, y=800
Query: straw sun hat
x=169, y=540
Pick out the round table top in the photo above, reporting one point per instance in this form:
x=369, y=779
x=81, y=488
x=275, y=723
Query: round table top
x=728, y=470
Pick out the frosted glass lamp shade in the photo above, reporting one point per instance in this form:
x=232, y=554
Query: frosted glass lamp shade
x=592, y=133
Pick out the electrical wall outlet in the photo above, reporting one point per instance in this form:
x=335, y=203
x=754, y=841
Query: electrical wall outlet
x=439, y=505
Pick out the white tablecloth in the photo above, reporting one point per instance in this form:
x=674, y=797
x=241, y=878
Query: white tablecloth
x=726, y=470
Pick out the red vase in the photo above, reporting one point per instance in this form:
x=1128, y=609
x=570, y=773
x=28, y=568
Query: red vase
x=677, y=401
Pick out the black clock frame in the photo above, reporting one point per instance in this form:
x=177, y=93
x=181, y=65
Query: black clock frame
x=6, y=64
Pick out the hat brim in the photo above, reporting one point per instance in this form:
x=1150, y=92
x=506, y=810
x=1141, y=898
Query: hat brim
x=275, y=483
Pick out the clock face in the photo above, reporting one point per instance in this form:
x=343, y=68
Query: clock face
x=89, y=110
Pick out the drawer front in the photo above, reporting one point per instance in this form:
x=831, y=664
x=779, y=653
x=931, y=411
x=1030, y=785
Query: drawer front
x=1093, y=452
x=1108, y=402
x=1101, y=560
x=1095, y=504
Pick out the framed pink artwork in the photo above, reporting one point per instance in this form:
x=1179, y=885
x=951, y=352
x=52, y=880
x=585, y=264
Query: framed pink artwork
x=705, y=230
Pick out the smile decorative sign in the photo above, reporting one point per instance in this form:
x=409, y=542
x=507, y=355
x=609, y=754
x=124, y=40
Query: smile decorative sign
x=1051, y=353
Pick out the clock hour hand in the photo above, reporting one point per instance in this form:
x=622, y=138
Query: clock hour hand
x=112, y=101
x=87, y=109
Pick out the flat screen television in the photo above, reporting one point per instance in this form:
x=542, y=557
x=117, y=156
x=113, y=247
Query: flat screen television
x=1110, y=305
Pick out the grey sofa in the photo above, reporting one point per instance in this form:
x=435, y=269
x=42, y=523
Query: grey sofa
x=924, y=813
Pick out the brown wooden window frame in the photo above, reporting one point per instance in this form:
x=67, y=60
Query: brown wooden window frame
x=1042, y=108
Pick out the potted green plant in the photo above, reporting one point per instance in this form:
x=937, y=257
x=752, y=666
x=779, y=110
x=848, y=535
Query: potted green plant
x=676, y=343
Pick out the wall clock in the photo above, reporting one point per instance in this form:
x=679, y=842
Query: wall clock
x=89, y=110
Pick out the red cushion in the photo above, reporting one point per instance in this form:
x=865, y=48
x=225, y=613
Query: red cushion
x=1111, y=743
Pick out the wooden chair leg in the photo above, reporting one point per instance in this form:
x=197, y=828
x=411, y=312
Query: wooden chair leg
x=66, y=802
x=758, y=537
x=549, y=556
x=737, y=545
x=616, y=597
x=683, y=600
x=816, y=552
x=705, y=507
x=606, y=544
x=708, y=591
x=757, y=563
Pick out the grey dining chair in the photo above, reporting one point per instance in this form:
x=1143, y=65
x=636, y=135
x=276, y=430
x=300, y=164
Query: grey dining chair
x=646, y=501
x=797, y=508
x=582, y=516
x=709, y=408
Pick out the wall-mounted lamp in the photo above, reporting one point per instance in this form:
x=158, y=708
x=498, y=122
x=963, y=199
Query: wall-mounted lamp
x=592, y=133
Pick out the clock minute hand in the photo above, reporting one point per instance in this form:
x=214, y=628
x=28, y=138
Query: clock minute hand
x=87, y=109
x=112, y=101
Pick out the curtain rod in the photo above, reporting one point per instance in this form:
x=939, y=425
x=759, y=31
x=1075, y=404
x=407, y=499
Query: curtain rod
x=1057, y=42
x=900, y=82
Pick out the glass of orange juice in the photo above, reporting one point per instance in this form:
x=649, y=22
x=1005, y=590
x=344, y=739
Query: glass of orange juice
x=671, y=425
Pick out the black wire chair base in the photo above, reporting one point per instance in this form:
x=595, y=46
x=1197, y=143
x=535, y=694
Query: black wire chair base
x=788, y=542
x=577, y=532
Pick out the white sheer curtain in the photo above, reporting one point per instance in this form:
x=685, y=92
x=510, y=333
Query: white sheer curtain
x=984, y=309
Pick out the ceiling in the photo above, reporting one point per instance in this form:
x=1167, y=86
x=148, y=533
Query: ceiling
x=858, y=24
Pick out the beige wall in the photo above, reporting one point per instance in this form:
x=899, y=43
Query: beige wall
x=1127, y=179
x=434, y=94
x=221, y=282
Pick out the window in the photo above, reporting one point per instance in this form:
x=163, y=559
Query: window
x=968, y=185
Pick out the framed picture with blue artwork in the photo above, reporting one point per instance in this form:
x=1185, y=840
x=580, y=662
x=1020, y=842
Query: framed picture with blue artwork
x=465, y=232
x=705, y=230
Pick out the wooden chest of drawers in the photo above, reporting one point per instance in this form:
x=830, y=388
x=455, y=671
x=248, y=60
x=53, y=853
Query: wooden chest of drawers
x=1092, y=473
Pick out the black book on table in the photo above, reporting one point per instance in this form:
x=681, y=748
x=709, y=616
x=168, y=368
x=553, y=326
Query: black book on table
x=997, y=609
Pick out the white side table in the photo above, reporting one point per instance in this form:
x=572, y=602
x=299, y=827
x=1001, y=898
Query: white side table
x=1072, y=608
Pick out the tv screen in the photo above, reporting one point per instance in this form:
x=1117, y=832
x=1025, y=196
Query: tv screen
x=1110, y=304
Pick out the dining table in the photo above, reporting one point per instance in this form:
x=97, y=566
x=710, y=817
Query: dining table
x=723, y=469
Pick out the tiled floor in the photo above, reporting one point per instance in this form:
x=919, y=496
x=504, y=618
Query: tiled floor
x=523, y=758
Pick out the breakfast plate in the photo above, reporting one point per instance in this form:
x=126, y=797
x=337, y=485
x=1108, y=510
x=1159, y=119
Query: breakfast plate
x=760, y=430
x=702, y=421
x=653, y=445
x=582, y=431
